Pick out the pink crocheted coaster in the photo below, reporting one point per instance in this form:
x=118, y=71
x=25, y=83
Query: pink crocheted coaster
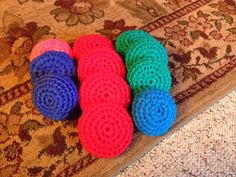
x=101, y=60
x=86, y=43
x=50, y=45
x=105, y=131
x=104, y=88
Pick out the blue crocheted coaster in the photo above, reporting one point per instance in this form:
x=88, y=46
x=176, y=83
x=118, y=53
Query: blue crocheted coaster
x=154, y=112
x=53, y=63
x=55, y=97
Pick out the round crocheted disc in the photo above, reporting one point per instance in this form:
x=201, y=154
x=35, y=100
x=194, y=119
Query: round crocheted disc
x=153, y=49
x=149, y=73
x=104, y=88
x=100, y=60
x=55, y=97
x=105, y=131
x=127, y=39
x=52, y=63
x=89, y=42
x=50, y=45
x=154, y=112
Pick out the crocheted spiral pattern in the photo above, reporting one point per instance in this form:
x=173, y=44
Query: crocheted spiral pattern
x=50, y=45
x=55, y=97
x=148, y=73
x=104, y=88
x=128, y=38
x=152, y=49
x=89, y=42
x=52, y=63
x=154, y=112
x=105, y=131
x=105, y=127
x=100, y=60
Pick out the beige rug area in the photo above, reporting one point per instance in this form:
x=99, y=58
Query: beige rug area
x=206, y=146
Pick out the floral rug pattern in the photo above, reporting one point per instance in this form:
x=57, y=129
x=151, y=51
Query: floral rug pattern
x=200, y=37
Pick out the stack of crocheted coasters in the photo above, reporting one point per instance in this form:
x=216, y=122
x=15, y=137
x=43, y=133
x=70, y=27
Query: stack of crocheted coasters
x=153, y=109
x=52, y=71
x=105, y=127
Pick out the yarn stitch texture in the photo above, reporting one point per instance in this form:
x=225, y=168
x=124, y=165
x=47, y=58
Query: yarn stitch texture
x=105, y=131
x=149, y=73
x=53, y=63
x=89, y=42
x=154, y=112
x=100, y=60
x=127, y=39
x=104, y=88
x=55, y=97
x=143, y=49
x=50, y=45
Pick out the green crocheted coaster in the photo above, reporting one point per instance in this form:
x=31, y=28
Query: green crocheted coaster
x=149, y=73
x=128, y=38
x=148, y=48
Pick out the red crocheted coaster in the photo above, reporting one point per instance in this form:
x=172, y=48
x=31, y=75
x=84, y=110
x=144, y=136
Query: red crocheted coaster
x=86, y=43
x=104, y=88
x=100, y=60
x=105, y=131
x=50, y=45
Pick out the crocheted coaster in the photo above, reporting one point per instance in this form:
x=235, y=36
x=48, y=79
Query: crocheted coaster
x=128, y=38
x=53, y=63
x=105, y=131
x=149, y=73
x=55, y=97
x=104, y=88
x=100, y=60
x=153, y=49
x=89, y=42
x=50, y=44
x=154, y=112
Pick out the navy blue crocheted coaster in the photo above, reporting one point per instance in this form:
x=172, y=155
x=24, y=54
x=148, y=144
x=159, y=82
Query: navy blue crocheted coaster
x=53, y=63
x=55, y=97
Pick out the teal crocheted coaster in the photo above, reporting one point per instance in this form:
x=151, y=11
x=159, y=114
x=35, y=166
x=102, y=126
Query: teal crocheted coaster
x=149, y=73
x=148, y=48
x=128, y=38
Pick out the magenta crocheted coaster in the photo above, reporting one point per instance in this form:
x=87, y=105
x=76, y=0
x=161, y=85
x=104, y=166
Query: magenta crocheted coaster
x=104, y=88
x=105, y=131
x=86, y=43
